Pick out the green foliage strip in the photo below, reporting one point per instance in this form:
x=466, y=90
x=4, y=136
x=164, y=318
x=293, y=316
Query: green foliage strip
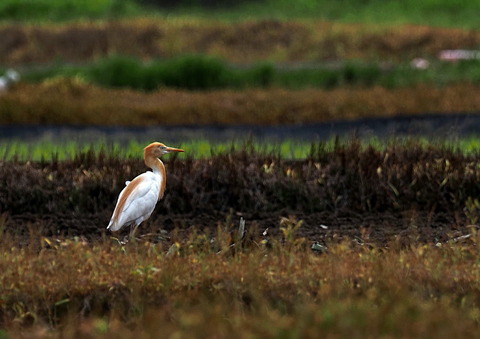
x=290, y=149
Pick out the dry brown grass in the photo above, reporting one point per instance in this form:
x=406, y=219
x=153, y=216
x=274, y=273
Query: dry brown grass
x=242, y=42
x=66, y=101
x=72, y=288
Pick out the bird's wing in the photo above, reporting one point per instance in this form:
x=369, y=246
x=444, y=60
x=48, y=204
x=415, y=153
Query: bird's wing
x=137, y=199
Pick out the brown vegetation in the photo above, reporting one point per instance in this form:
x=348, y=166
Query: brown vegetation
x=201, y=288
x=64, y=101
x=242, y=42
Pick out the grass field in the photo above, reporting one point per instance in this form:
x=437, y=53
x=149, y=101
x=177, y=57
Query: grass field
x=202, y=287
x=24, y=151
x=199, y=72
x=197, y=149
x=432, y=12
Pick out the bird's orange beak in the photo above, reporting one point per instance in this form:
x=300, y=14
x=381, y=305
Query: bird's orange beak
x=171, y=149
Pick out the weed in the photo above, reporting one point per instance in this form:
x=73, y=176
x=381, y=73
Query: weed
x=472, y=208
x=288, y=227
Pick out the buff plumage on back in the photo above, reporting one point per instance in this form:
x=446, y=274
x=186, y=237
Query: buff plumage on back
x=137, y=200
x=127, y=192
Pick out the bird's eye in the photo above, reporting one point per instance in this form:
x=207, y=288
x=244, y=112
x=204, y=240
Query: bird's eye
x=162, y=147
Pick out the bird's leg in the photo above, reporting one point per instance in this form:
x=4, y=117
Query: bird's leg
x=132, y=232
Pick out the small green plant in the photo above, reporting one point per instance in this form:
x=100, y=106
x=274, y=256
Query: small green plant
x=472, y=210
x=289, y=227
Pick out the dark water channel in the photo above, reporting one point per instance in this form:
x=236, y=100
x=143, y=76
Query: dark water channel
x=431, y=126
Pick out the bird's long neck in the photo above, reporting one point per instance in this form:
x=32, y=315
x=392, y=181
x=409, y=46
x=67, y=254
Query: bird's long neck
x=155, y=164
x=158, y=168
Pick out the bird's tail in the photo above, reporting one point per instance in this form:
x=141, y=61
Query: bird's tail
x=110, y=224
x=113, y=225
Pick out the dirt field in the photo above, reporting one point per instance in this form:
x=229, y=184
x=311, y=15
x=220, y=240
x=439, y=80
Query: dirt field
x=378, y=229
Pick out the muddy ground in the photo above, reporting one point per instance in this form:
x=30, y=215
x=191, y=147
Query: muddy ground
x=375, y=228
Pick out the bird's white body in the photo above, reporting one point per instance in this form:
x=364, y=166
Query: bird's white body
x=137, y=200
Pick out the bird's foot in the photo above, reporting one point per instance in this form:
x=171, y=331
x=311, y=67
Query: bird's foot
x=120, y=242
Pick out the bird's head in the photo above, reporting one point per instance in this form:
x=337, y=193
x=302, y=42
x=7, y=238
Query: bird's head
x=157, y=149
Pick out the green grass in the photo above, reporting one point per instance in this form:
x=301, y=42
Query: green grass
x=46, y=150
x=196, y=72
x=290, y=149
x=63, y=10
x=460, y=13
